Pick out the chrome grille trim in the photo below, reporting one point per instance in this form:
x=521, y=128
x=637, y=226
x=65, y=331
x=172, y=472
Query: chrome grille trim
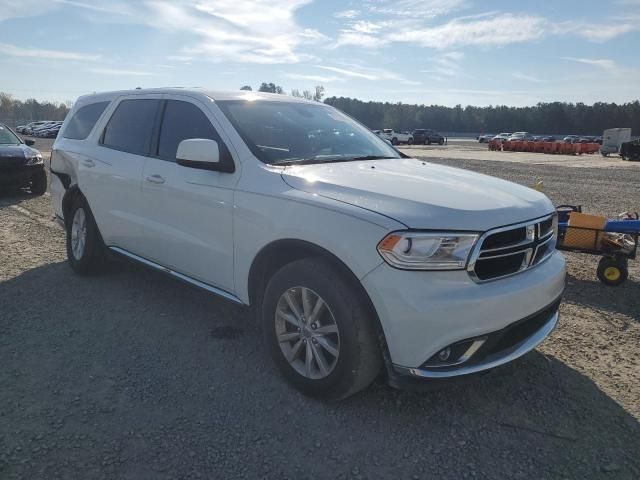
x=528, y=248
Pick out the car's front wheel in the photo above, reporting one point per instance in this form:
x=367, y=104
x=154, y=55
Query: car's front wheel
x=85, y=249
x=319, y=331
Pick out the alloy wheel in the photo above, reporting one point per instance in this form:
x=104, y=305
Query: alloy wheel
x=79, y=233
x=307, y=333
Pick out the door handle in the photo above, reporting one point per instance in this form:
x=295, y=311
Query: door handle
x=157, y=179
x=88, y=163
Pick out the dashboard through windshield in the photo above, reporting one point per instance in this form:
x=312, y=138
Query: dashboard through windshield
x=292, y=132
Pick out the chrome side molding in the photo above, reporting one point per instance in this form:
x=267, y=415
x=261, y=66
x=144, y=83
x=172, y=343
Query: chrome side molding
x=178, y=275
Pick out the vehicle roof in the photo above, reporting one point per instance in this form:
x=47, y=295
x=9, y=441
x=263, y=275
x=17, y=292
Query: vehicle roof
x=215, y=95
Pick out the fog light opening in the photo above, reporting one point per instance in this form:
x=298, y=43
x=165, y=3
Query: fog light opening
x=443, y=355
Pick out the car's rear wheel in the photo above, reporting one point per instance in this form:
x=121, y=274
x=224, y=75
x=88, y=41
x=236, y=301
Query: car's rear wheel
x=85, y=249
x=39, y=183
x=410, y=141
x=318, y=330
x=441, y=141
x=394, y=141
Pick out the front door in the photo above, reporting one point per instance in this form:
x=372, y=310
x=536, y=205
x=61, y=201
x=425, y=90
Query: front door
x=188, y=211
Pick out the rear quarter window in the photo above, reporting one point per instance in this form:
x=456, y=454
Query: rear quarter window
x=80, y=125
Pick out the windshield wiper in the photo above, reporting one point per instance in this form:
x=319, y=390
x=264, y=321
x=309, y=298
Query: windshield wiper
x=337, y=159
x=372, y=157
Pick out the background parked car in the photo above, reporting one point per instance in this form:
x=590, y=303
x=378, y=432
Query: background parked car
x=396, y=137
x=426, y=136
x=571, y=139
x=485, y=138
x=20, y=165
x=526, y=136
x=502, y=136
x=28, y=130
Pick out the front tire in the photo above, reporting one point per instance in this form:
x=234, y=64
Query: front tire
x=612, y=271
x=85, y=249
x=39, y=183
x=394, y=141
x=319, y=331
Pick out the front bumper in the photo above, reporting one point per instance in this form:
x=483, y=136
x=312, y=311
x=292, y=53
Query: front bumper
x=19, y=177
x=422, y=313
x=505, y=348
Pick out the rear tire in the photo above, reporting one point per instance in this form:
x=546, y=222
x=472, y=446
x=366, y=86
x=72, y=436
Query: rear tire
x=394, y=141
x=410, y=141
x=441, y=141
x=329, y=351
x=85, y=248
x=39, y=183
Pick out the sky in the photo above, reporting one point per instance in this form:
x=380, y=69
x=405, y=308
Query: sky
x=445, y=52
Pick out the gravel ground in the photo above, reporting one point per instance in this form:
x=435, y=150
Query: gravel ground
x=132, y=375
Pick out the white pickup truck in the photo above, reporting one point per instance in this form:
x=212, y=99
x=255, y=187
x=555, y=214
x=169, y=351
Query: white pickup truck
x=356, y=259
x=396, y=137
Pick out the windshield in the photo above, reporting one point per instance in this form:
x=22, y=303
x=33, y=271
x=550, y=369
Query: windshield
x=7, y=137
x=292, y=132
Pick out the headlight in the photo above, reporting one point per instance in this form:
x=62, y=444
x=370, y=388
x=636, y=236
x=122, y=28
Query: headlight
x=427, y=251
x=35, y=160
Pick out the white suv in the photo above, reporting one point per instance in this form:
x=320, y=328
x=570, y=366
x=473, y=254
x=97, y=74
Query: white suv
x=354, y=256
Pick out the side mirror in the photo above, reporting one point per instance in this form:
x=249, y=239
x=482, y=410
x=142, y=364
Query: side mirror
x=29, y=143
x=199, y=153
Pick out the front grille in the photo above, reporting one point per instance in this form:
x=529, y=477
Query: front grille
x=509, y=250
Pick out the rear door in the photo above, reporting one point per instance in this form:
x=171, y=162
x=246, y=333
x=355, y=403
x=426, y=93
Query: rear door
x=110, y=175
x=188, y=211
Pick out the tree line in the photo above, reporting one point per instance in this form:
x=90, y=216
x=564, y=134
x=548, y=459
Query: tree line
x=547, y=118
x=17, y=112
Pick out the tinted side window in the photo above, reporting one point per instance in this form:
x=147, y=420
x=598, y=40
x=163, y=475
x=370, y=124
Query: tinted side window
x=131, y=126
x=83, y=121
x=182, y=121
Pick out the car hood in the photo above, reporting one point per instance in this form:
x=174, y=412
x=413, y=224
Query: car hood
x=15, y=155
x=420, y=194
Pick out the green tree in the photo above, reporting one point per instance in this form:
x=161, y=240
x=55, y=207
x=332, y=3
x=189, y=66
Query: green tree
x=270, y=88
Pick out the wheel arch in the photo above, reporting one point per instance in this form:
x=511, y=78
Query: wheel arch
x=67, y=199
x=279, y=253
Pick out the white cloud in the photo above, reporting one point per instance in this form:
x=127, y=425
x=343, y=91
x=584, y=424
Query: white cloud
x=347, y=14
x=23, y=8
x=416, y=8
x=119, y=72
x=349, y=73
x=313, y=78
x=258, y=31
x=254, y=31
x=14, y=51
x=446, y=64
x=603, y=33
x=367, y=73
x=527, y=78
x=604, y=63
x=500, y=30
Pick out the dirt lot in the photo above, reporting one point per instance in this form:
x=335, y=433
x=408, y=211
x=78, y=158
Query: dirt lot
x=134, y=375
